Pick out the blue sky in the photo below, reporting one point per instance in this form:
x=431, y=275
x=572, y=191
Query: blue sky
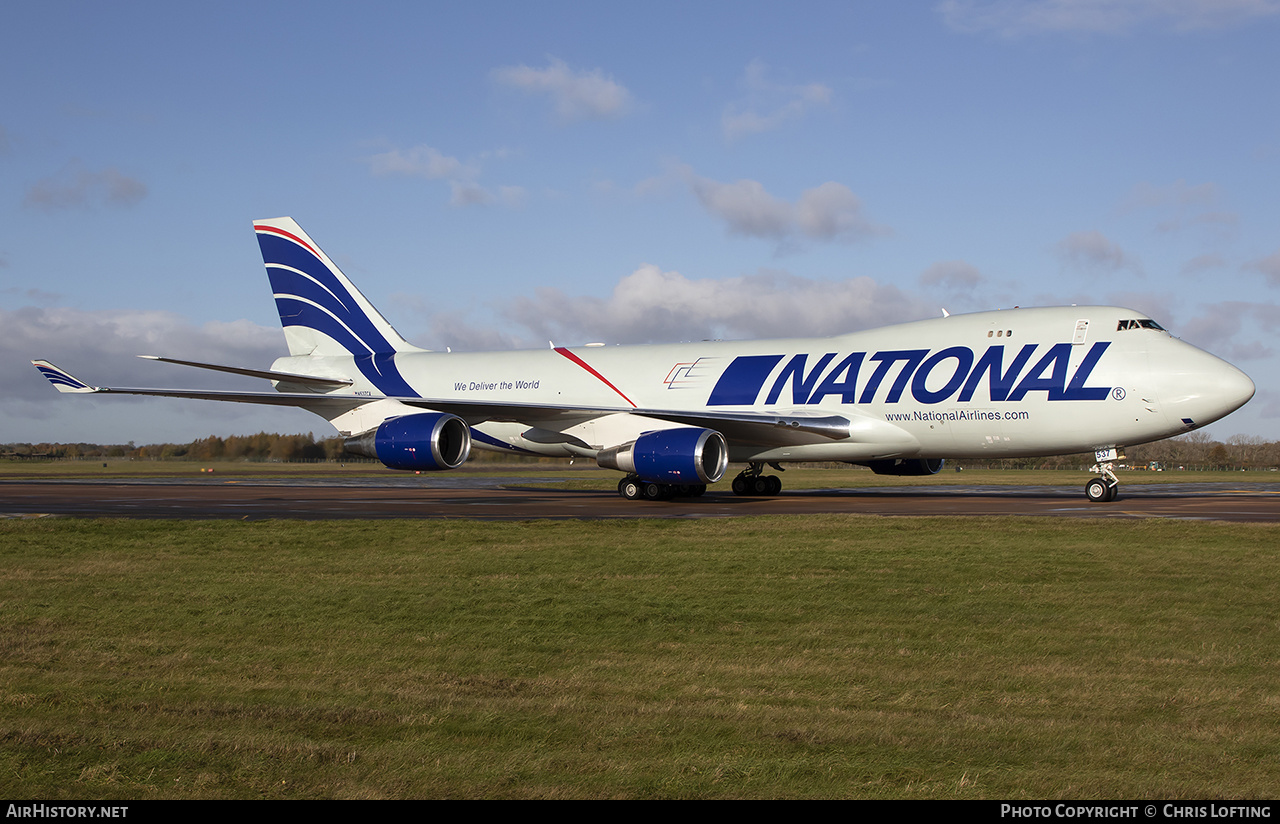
x=498, y=175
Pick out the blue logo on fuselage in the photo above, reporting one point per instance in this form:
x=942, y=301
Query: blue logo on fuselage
x=955, y=371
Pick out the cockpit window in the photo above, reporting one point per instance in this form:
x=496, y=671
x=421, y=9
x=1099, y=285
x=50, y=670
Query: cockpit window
x=1138, y=323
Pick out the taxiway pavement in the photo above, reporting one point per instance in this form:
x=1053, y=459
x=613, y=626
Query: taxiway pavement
x=502, y=499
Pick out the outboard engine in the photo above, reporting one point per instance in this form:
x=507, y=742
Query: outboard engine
x=430, y=441
x=685, y=455
x=907, y=466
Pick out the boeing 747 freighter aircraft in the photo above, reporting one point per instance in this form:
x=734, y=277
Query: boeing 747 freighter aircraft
x=900, y=399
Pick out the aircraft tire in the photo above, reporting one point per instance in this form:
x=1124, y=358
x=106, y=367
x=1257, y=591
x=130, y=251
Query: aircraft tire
x=775, y=484
x=740, y=486
x=1099, y=491
x=630, y=488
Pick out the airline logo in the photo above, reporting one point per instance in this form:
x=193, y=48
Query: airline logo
x=309, y=294
x=951, y=374
x=61, y=380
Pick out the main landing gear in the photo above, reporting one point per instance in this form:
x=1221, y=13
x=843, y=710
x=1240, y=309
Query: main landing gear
x=1105, y=488
x=750, y=482
x=634, y=489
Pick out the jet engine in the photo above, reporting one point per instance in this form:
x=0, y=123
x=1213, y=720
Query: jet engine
x=671, y=456
x=430, y=441
x=903, y=466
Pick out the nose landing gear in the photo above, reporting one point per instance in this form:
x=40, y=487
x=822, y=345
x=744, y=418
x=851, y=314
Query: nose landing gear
x=1101, y=490
x=1106, y=487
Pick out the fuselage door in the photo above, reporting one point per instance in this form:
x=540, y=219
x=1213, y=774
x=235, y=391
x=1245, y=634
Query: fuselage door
x=1082, y=332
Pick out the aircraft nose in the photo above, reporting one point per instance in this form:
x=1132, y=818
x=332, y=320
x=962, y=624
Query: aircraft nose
x=1197, y=388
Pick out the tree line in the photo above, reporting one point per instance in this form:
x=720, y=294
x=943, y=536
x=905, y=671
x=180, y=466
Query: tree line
x=1193, y=451
x=263, y=446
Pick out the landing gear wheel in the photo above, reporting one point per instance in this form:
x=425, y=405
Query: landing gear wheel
x=1106, y=487
x=750, y=482
x=1101, y=490
x=629, y=488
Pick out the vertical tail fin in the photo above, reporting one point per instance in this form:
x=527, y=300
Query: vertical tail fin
x=322, y=312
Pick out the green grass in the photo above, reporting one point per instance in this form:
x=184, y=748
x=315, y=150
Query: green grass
x=835, y=656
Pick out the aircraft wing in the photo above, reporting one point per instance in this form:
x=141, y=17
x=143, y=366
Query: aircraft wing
x=64, y=381
x=753, y=427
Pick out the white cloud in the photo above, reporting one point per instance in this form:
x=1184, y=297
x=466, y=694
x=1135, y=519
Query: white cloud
x=651, y=305
x=1231, y=329
x=576, y=95
x=827, y=212
x=1201, y=264
x=1182, y=205
x=100, y=347
x=466, y=193
x=1016, y=18
x=419, y=161
x=746, y=207
x=952, y=274
x=78, y=187
x=1093, y=252
x=1269, y=267
x=430, y=163
x=1269, y=403
x=781, y=103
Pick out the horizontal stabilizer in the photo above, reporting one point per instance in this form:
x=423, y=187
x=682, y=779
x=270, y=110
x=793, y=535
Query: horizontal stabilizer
x=290, y=377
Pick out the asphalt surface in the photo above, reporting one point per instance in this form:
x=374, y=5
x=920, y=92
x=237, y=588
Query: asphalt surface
x=533, y=498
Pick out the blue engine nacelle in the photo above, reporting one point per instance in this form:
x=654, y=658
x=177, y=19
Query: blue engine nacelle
x=905, y=466
x=430, y=441
x=671, y=456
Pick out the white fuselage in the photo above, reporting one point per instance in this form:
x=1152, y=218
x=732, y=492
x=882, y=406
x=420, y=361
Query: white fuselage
x=1005, y=383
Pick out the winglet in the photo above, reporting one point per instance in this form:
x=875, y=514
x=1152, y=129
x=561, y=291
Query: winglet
x=62, y=380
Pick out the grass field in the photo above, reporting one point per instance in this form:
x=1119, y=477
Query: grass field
x=836, y=656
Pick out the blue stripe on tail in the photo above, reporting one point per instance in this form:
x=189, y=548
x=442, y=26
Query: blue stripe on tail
x=309, y=295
